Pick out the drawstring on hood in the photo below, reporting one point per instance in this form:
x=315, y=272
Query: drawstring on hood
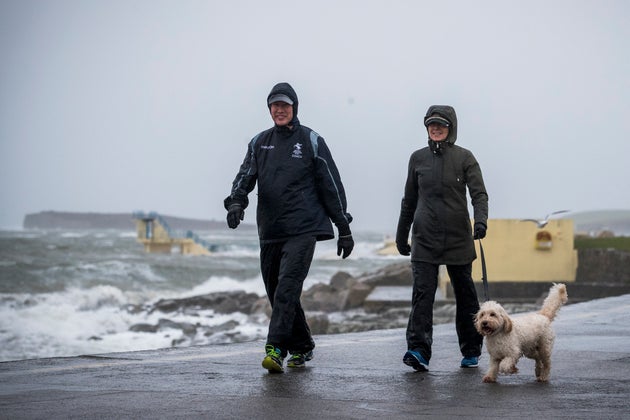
x=437, y=146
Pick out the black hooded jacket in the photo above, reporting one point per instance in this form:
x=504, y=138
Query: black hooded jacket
x=299, y=187
x=435, y=199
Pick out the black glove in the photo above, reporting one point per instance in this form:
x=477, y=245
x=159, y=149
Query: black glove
x=235, y=215
x=403, y=248
x=480, y=231
x=345, y=243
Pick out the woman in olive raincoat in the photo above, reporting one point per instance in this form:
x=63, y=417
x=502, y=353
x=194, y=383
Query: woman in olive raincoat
x=435, y=204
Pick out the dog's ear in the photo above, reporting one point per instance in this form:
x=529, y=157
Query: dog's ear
x=476, y=321
x=507, y=324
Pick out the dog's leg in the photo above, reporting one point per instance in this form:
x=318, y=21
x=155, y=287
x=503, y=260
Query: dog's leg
x=543, y=359
x=493, y=370
x=543, y=369
x=508, y=365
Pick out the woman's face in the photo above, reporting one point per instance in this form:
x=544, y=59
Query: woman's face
x=437, y=132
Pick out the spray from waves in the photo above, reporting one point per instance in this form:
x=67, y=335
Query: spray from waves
x=120, y=273
x=58, y=323
x=100, y=320
x=219, y=284
x=71, y=293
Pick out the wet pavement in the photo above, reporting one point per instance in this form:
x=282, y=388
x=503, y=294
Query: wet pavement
x=353, y=376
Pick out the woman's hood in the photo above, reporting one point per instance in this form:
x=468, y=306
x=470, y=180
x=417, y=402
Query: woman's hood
x=448, y=112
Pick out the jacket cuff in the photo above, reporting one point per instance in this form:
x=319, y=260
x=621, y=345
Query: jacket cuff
x=344, y=231
x=230, y=201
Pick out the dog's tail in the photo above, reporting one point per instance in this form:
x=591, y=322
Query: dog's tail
x=556, y=298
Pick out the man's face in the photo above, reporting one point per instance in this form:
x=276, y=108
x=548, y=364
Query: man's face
x=437, y=132
x=281, y=113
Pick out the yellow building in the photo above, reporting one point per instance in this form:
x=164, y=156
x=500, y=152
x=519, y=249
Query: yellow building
x=518, y=250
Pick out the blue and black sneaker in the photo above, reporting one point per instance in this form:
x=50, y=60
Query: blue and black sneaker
x=273, y=360
x=298, y=360
x=470, y=362
x=416, y=360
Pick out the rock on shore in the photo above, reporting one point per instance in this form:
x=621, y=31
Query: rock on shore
x=338, y=307
x=343, y=305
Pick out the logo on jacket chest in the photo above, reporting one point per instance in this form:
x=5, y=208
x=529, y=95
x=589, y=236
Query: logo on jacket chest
x=297, y=151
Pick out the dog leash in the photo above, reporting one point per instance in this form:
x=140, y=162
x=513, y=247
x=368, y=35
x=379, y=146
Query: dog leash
x=484, y=273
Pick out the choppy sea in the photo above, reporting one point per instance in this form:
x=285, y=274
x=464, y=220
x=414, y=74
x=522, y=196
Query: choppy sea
x=68, y=293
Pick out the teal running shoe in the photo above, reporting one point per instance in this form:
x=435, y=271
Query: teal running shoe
x=470, y=362
x=416, y=360
x=273, y=360
x=298, y=360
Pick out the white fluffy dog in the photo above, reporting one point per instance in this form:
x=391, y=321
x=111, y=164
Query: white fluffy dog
x=530, y=335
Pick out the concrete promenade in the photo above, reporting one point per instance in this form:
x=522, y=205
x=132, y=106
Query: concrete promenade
x=353, y=376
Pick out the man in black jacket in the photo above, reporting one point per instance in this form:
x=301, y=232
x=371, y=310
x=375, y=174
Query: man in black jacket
x=299, y=193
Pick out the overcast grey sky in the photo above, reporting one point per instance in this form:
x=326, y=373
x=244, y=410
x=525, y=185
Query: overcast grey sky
x=115, y=106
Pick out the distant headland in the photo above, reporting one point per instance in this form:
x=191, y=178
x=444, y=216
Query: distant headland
x=592, y=222
x=121, y=221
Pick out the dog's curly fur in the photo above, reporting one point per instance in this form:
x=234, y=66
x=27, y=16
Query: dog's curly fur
x=531, y=335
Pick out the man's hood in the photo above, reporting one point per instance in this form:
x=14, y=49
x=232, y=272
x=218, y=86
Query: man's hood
x=447, y=112
x=284, y=88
